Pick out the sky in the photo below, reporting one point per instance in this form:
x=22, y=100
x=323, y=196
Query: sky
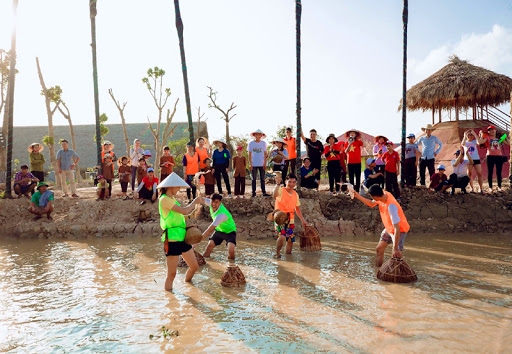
x=245, y=50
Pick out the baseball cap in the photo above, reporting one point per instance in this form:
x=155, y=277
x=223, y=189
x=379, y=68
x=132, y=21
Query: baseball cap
x=370, y=160
x=491, y=127
x=441, y=167
x=151, y=169
x=411, y=135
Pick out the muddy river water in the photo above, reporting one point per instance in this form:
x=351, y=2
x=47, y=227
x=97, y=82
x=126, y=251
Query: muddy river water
x=106, y=296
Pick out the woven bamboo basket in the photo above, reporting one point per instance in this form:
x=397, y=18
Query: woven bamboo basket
x=310, y=240
x=232, y=277
x=200, y=260
x=193, y=235
x=396, y=270
x=280, y=217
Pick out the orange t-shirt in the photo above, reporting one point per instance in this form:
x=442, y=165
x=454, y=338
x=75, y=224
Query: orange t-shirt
x=203, y=154
x=291, y=148
x=192, y=166
x=386, y=218
x=287, y=202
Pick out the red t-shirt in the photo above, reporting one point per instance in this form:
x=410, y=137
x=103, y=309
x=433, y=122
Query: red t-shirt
x=334, y=152
x=390, y=158
x=148, y=184
x=354, y=152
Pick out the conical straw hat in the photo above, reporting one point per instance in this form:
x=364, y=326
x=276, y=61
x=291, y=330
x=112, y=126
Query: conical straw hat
x=173, y=180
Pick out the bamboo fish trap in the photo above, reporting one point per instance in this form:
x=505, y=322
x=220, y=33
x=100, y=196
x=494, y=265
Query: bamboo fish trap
x=310, y=240
x=396, y=270
x=232, y=277
x=200, y=260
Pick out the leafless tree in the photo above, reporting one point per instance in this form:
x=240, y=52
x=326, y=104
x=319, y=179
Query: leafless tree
x=67, y=115
x=225, y=115
x=120, y=108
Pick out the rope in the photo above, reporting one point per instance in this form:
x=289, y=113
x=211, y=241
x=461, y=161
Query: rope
x=405, y=19
x=179, y=28
x=298, y=14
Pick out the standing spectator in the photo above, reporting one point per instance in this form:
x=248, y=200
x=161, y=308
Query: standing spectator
x=291, y=147
x=220, y=158
x=332, y=152
x=203, y=151
x=436, y=182
x=108, y=173
x=147, y=155
x=209, y=178
x=495, y=156
x=166, y=163
x=124, y=173
x=392, y=169
x=239, y=168
x=314, y=149
x=24, y=182
x=66, y=161
x=278, y=155
x=37, y=160
x=371, y=175
x=136, y=153
x=191, y=166
x=42, y=202
x=428, y=143
x=378, y=150
x=147, y=188
x=258, y=160
x=412, y=155
x=307, y=174
x=108, y=150
x=142, y=170
x=353, y=151
x=471, y=142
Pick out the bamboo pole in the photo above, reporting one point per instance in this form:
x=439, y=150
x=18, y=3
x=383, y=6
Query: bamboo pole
x=298, y=15
x=405, y=20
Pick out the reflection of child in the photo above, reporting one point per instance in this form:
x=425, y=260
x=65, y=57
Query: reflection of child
x=102, y=187
x=209, y=178
x=124, y=172
x=141, y=170
x=239, y=167
x=107, y=167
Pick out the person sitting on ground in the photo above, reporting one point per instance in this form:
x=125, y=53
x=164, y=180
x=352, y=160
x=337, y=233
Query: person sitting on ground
x=371, y=175
x=24, y=182
x=102, y=188
x=436, y=182
x=308, y=174
x=37, y=160
x=124, y=173
x=287, y=201
x=459, y=178
x=223, y=227
x=147, y=188
x=42, y=202
x=395, y=223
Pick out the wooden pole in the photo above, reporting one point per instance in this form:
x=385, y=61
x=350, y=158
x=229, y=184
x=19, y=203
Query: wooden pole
x=433, y=113
x=439, y=112
x=510, y=141
x=298, y=16
x=456, y=109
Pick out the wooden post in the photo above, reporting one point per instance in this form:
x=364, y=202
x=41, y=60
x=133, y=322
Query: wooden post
x=456, y=109
x=510, y=140
x=433, y=113
x=439, y=112
x=474, y=110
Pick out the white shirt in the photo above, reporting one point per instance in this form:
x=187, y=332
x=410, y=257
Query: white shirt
x=219, y=219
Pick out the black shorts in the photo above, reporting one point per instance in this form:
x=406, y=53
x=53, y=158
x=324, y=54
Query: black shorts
x=177, y=248
x=218, y=237
x=476, y=162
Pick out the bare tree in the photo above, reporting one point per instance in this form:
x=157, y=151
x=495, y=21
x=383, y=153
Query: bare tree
x=154, y=84
x=67, y=115
x=200, y=116
x=49, y=140
x=225, y=115
x=120, y=108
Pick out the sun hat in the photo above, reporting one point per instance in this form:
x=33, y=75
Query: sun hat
x=31, y=147
x=347, y=133
x=147, y=153
x=41, y=184
x=428, y=127
x=279, y=140
x=258, y=131
x=411, y=135
x=173, y=180
x=109, y=143
x=441, y=167
x=369, y=161
x=151, y=169
x=219, y=141
x=107, y=156
x=331, y=136
x=380, y=136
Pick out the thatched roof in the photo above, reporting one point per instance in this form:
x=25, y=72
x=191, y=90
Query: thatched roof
x=459, y=83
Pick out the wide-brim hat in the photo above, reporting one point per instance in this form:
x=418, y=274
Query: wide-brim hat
x=347, y=133
x=331, y=136
x=120, y=161
x=279, y=140
x=219, y=141
x=263, y=135
x=380, y=136
x=31, y=147
x=41, y=184
x=173, y=180
x=109, y=143
x=428, y=127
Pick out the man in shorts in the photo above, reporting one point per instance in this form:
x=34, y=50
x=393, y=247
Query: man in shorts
x=393, y=218
x=223, y=226
x=287, y=201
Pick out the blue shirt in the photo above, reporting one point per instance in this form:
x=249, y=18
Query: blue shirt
x=66, y=158
x=428, y=146
x=220, y=157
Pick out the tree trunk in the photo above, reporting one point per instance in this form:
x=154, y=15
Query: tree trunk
x=73, y=143
x=123, y=121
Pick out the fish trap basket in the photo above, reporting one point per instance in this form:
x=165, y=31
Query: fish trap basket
x=396, y=270
x=280, y=217
x=193, y=235
x=310, y=240
x=199, y=257
x=232, y=277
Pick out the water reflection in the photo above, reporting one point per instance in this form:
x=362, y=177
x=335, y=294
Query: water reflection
x=106, y=295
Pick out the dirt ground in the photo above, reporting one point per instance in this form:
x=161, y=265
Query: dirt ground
x=427, y=212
